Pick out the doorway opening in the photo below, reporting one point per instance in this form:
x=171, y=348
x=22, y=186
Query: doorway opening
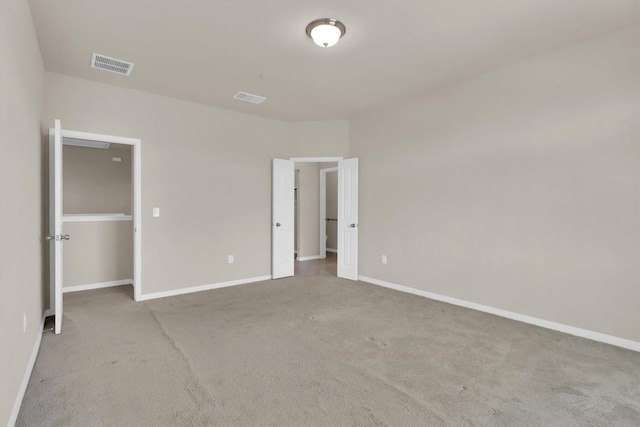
x=299, y=219
x=329, y=210
x=97, y=199
x=310, y=218
x=97, y=214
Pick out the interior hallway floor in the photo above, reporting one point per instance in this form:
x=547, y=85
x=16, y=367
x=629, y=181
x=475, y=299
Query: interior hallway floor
x=320, y=351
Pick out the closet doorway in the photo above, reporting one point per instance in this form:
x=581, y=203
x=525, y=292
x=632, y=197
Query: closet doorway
x=94, y=212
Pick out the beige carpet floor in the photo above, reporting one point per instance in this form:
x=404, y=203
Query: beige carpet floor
x=319, y=351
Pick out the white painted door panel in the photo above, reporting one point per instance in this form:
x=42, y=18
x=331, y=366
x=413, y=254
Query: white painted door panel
x=55, y=223
x=282, y=257
x=348, y=219
x=323, y=214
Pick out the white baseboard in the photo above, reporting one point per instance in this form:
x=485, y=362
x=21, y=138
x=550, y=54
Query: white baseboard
x=192, y=289
x=335, y=251
x=572, y=330
x=309, y=258
x=100, y=285
x=27, y=375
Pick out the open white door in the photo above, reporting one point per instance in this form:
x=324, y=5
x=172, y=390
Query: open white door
x=282, y=220
x=55, y=223
x=323, y=214
x=348, y=219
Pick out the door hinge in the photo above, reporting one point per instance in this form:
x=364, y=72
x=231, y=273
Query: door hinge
x=58, y=237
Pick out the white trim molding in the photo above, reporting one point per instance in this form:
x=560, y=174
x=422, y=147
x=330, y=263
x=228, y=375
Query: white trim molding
x=27, y=375
x=315, y=159
x=137, y=218
x=201, y=288
x=309, y=258
x=335, y=251
x=89, y=136
x=571, y=330
x=96, y=217
x=100, y=285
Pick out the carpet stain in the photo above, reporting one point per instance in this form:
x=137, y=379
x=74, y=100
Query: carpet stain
x=376, y=342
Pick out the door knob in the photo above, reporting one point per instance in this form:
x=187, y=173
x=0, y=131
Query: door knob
x=352, y=226
x=49, y=237
x=65, y=237
x=277, y=224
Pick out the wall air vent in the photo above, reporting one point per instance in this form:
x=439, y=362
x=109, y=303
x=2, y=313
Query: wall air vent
x=113, y=65
x=247, y=97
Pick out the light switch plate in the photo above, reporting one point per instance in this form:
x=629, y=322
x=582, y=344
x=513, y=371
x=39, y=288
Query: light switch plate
x=156, y=212
x=230, y=259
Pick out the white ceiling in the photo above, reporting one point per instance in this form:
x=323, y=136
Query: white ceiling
x=207, y=50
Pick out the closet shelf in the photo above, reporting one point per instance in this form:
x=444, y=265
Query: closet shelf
x=95, y=217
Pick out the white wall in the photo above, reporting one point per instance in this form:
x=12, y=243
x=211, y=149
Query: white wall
x=22, y=248
x=319, y=139
x=93, y=183
x=517, y=189
x=208, y=169
x=97, y=252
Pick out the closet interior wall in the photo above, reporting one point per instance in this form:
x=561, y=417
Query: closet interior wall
x=97, y=201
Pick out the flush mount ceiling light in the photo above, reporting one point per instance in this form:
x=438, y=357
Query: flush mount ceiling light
x=326, y=32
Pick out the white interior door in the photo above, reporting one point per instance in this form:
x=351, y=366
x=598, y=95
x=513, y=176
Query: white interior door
x=282, y=256
x=348, y=219
x=323, y=214
x=55, y=236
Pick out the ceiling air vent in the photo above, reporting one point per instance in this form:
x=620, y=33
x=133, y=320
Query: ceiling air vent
x=113, y=65
x=247, y=97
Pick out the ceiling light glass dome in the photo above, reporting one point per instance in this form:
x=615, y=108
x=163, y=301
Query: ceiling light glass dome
x=326, y=32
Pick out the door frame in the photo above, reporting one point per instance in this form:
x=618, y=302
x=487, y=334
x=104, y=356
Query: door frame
x=315, y=159
x=323, y=209
x=323, y=254
x=136, y=208
x=306, y=160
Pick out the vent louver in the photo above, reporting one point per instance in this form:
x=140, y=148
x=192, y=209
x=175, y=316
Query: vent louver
x=112, y=65
x=248, y=97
